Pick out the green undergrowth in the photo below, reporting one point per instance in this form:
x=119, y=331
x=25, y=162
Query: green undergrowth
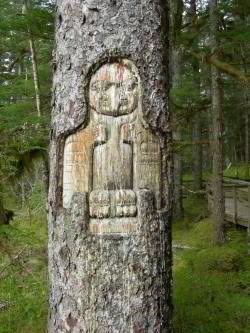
x=23, y=271
x=237, y=171
x=188, y=177
x=211, y=283
x=240, y=171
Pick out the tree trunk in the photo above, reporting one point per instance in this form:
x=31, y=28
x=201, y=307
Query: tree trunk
x=217, y=132
x=196, y=128
x=247, y=133
x=247, y=136
x=197, y=153
x=110, y=177
x=176, y=11
x=177, y=159
x=247, y=104
x=178, y=202
x=34, y=63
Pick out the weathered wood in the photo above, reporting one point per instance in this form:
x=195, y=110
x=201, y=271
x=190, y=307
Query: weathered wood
x=236, y=203
x=110, y=176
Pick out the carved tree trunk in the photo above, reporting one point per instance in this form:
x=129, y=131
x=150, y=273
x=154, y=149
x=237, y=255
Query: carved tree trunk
x=217, y=132
x=110, y=176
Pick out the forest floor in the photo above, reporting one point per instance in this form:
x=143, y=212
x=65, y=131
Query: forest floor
x=211, y=284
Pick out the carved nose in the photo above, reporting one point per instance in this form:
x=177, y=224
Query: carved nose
x=115, y=99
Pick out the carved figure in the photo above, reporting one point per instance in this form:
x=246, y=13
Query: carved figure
x=115, y=156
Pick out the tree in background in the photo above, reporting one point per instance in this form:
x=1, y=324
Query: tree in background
x=176, y=13
x=217, y=128
x=198, y=92
x=24, y=132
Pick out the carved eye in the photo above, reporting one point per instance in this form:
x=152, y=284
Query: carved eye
x=106, y=85
x=96, y=87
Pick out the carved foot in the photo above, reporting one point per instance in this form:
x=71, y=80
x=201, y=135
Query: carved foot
x=99, y=204
x=125, y=203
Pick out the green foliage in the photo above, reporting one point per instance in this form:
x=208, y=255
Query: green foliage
x=23, y=135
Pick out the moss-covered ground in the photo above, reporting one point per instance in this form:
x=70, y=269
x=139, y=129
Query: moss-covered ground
x=239, y=171
x=23, y=269
x=211, y=283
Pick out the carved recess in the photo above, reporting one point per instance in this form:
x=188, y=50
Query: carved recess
x=115, y=156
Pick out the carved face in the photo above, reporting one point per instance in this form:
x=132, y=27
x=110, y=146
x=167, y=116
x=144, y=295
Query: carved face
x=114, y=90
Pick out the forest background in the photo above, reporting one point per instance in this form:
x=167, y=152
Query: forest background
x=210, y=102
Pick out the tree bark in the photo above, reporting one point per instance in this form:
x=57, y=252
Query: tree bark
x=110, y=169
x=217, y=131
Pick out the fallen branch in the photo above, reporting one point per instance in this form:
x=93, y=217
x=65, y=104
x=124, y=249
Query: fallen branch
x=183, y=247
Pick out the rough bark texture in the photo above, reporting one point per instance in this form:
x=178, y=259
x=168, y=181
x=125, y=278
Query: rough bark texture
x=109, y=282
x=217, y=132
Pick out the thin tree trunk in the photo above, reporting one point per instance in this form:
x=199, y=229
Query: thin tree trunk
x=247, y=106
x=197, y=153
x=178, y=204
x=34, y=63
x=176, y=10
x=247, y=137
x=217, y=132
x=196, y=128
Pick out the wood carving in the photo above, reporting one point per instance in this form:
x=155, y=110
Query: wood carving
x=115, y=156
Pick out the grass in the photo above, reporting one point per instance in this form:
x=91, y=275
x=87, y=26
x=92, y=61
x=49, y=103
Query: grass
x=23, y=272
x=211, y=283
